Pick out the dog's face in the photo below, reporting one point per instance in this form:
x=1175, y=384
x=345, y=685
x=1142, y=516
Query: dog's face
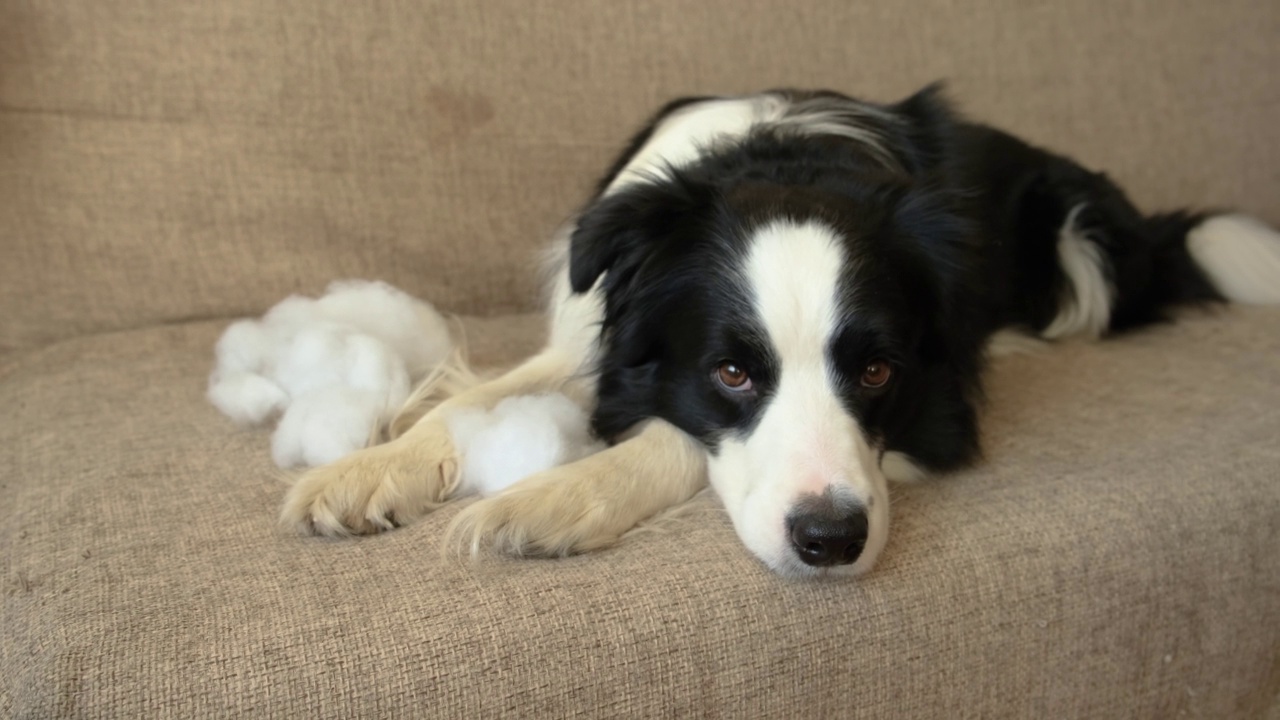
x=793, y=332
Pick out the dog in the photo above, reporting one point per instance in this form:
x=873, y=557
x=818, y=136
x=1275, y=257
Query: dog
x=791, y=295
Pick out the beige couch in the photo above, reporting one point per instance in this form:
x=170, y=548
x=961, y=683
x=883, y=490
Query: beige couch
x=165, y=167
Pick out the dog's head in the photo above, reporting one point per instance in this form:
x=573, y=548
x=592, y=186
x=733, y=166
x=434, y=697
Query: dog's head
x=797, y=324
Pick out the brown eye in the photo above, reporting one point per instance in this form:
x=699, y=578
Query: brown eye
x=732, y=377
x=876, y=374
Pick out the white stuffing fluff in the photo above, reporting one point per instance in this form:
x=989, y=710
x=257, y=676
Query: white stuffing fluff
x=334, y=369
x=247, y=398
x=331, y=368
x=323, y=425
x=521, y=436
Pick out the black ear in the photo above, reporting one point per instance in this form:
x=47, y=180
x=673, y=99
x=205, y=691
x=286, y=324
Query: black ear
x=603, y=234
x=620, y=230
x=929, y=103
x=941, y=431
x=931, y=124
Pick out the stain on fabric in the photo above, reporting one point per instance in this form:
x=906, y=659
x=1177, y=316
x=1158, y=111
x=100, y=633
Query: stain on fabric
x=453, y=114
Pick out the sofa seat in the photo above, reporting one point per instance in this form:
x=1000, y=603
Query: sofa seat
x=1114, y=555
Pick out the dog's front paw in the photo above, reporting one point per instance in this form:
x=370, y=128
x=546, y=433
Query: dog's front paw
x=378, y=488
x=554, y=513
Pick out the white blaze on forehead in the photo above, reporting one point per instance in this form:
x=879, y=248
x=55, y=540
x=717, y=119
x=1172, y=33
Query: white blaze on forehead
x=794, y=272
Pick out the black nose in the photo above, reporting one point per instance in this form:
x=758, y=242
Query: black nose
x=827, y=539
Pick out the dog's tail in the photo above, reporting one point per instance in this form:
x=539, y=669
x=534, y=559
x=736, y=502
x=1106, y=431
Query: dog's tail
x=1195, y=259
x=1238, y=255
x=1122, y=270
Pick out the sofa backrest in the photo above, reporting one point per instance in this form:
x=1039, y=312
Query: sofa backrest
x=168, y=161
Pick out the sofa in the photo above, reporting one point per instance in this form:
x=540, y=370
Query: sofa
x=166, y=168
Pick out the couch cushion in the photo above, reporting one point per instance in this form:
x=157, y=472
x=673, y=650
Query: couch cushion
x=1114, y=556
x=169, y=161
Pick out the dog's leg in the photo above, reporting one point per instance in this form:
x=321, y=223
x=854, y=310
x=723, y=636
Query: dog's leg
x=384, y=486
x=588, y=504
x=381, y=487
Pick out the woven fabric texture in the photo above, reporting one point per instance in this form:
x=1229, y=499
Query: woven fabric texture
x=1113, y=556
x=166, y=166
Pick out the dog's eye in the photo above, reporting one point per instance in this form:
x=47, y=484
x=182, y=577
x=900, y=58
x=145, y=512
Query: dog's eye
x=732, y=377
x=876, y=374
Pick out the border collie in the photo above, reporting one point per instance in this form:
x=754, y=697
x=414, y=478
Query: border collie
x=791, y=295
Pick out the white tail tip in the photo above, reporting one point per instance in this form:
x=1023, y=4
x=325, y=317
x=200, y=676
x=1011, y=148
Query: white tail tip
x=1241, y=257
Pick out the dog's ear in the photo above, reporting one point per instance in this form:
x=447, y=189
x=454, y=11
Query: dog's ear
x=931, y=125
x=619, y=231
x=939, y=427
x=929, y=104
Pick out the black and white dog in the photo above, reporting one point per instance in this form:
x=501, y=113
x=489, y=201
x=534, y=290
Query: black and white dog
x=791, y=294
